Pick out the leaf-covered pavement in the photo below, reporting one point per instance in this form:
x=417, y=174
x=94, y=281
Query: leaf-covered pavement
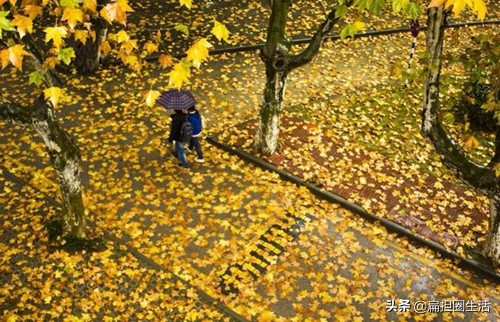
x=198, y=223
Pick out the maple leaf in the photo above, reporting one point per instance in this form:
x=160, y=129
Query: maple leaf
x=220, y=31
x=121, y=36
x=33, y=11
x=105, y=47
x=5, y=24
x=187, y=3
x=24, y=24
x=182, y=28
x=66, y=54
x=165, y=60
x=436, y=3
x=90, y=5
x=471, y=143
x=479, y=7
x=81, y=36
x=198, y=52
x=150, y=47
x=72, y=16
x=16, y=54
x=4, y=56
x=56, y=34
x=53, y=94
x=36, y=78
x=69, y=3
x=179, y=74
x=151, y=97
x=116, y=11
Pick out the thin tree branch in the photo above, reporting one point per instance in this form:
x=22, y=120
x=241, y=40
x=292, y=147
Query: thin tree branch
x=314, y=45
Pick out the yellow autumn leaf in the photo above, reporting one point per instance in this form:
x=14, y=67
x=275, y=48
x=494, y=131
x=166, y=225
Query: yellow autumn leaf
x=471, y=143
x=4, y=57
x=359, y=25
x=496, y=167
x=479, y=7
x=198, y=52
x=105, y=47
x=150, y=47
x=16, y=54
x=81, y=35
x=72, y=16
x=220, y=31
x=187, y=3
x=32, y=11
x=179, y=74
x=458, y=6
x=165, y=60
x=90, y=5
x=436, y=3
x=122, y=36
x=56, y=34
x=53, y=94
x=23, y=24
x=151, y=97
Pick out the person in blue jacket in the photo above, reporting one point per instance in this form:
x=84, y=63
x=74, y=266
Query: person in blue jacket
x=194, y=118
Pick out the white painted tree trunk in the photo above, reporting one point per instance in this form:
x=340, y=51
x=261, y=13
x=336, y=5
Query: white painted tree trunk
x=266, y=140
x=492, y=246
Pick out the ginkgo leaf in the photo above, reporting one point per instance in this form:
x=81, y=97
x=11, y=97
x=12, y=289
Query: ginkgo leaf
x=56, y=34
x=165, y=60
x=23, y=24
x=72, y=16
x=187, y=3
x=5, y=24
x=220, y=31
x=16, y=54
x=151, y=97
x=198, y=52
x=53, y=94
x=179, y=74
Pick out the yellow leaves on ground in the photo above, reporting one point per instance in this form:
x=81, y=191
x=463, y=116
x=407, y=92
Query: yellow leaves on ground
x=151, y=97
x=72, y=16
x=477, y=6
x=56, y=34
x=14, y=55
x=53, y=94
x=220, y=31
x=23, y=24
x=187, y=3
x=198, y=52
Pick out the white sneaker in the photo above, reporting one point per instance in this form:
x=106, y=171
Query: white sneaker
x=200, y=160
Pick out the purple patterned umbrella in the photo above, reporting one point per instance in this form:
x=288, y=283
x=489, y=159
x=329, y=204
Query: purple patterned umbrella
x=174, y=99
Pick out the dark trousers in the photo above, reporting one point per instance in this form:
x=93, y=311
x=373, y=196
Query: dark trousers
x=195, y=143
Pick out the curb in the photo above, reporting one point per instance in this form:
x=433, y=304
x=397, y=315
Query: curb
x=296, y=41
x=469, y=264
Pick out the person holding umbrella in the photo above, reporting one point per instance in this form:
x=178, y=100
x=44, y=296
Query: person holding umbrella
x=179, y=101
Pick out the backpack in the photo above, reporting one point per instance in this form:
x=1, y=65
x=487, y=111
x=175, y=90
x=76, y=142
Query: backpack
x=186, y=132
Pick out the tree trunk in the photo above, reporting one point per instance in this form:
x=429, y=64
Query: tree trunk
x=279, y=63
x=480, y=177
x=64, y=157
x=88, y=55
x=491, y=248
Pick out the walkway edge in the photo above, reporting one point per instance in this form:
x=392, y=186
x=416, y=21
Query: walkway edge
x=473, y=265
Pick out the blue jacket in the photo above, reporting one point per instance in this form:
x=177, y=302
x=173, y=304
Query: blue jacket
x=195, y=119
